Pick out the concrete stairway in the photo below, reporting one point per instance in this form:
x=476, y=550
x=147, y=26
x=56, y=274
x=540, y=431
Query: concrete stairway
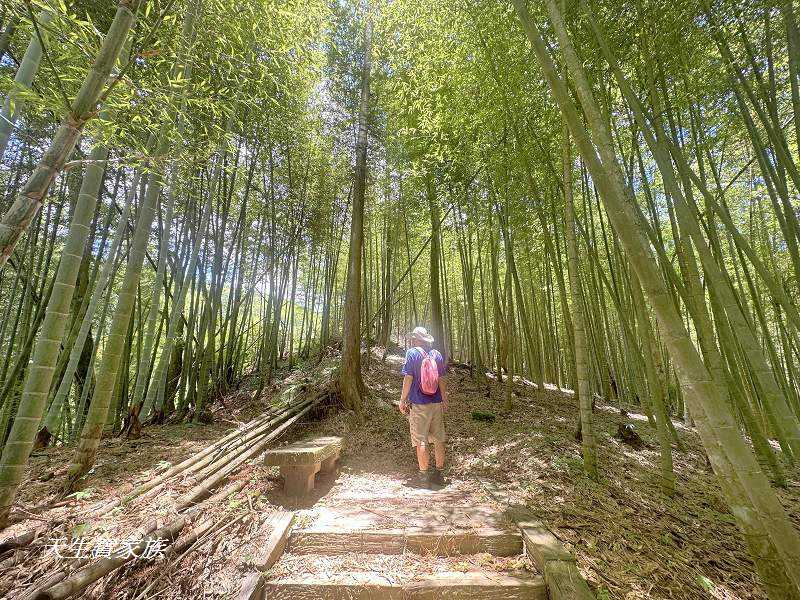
x=405, y=552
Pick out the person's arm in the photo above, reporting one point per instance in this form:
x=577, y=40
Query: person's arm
x=408, y=379
x=405, y=405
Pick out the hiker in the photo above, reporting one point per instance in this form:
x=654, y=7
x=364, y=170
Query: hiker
x=424, y=400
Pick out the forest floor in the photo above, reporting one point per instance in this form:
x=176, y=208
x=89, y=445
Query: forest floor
x=630, y=542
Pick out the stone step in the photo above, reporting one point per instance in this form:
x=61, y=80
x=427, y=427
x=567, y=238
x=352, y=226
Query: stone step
x=447, y=531
x=440, y=586
x=440, y=541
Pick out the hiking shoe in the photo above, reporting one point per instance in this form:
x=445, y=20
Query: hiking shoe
x=436, y=477
x=421, y=479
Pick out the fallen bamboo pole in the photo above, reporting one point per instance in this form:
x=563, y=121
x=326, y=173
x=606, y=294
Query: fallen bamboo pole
x=203, y=488
x=83, y=578
x=232, y=452
x=59, y=586
x=188, y=464
x=209, y=467
x=86, y=576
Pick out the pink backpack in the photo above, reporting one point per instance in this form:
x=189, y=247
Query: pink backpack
x=428, y=374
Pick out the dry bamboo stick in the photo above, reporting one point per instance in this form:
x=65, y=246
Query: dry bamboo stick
x=190, y=463
x=209, y=468
x=86, y=576
x=203, y=488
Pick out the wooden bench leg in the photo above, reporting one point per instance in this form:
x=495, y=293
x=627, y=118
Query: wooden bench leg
x=299, y=480
x=329, y=464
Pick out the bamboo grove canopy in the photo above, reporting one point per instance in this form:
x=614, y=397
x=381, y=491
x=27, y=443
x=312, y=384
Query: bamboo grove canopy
x=591, y=194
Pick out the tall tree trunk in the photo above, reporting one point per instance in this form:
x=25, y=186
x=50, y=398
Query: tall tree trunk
x=351, y=383
x=582, y=391
x=508, y=335
x=85, y=453
x=156, y=391
x=656, y=386
x=84, y=456
x=437, y=321
x=387, y=297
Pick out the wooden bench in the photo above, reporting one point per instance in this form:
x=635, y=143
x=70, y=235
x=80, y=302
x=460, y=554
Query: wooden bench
x=301, y=461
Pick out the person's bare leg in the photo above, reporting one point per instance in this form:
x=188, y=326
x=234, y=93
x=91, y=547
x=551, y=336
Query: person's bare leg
x=422, y=457
x=439, y=451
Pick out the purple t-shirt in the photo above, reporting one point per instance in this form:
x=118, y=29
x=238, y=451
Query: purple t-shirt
x=412, y=366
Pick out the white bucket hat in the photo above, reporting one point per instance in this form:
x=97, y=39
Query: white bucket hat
x=420, y=333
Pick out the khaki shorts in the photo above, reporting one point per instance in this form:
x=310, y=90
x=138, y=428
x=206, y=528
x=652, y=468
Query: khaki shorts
x=427, y=423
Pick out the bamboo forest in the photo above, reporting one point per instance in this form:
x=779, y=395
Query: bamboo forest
x=390, y=299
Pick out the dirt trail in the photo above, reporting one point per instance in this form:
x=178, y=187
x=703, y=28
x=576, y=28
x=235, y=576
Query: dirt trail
x=629, y=541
